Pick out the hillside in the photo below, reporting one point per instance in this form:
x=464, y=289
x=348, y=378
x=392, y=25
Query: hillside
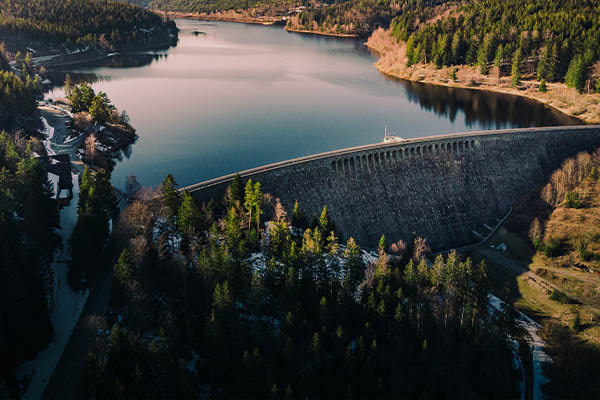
x=355, y=17
x=535, y=49
x=542, y=38
x=106, y=23
x=546, y=259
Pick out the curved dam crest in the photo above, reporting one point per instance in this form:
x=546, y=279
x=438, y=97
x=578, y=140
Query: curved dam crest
x=449, y=189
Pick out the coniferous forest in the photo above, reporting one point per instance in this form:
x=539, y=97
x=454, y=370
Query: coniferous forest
x=239, y=297
x=80, y=21
x=27, y=242
x=296, y=314
x=549, y=39
x=553, y=40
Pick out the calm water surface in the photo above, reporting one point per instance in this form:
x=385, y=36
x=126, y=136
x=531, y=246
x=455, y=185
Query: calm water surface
x=238, y=96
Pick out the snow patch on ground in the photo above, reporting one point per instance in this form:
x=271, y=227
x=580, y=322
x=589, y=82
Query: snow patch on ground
x=48, y=131
x=540, y=357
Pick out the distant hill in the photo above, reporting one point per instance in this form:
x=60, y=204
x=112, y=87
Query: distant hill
x=554, y=40
x=73, y=21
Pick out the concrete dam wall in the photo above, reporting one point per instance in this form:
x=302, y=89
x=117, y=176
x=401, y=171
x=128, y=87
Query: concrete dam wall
x=449, y=189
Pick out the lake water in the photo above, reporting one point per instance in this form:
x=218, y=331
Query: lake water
x=233, y=96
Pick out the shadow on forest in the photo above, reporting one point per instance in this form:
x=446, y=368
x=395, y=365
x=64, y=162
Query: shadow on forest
x=576, y=362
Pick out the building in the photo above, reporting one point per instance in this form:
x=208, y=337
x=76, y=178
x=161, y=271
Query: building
x=58, y=168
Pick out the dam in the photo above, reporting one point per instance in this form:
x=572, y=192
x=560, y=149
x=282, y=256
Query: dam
x=448, y=189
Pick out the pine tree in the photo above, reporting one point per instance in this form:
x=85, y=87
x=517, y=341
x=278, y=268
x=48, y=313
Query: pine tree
x=516, y=72
x=381, y=246
x=484, y=54
x=188, y=216
x=249, y=200
x=258, y=200
x=355, y=268
x=123, y=269
x=233, y=234
x=498, y=58
x=576, y=73
x=332, y=243
x=170, y=197
x=298, y=217
x=457, y=48
x=411, y=52
x=324, y=221
x=237, y=190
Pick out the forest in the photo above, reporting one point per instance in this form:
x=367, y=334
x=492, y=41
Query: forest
x=209, y=6
x=238, y=298
x=27, y=243
x=80, y=21
x=17, y=98
x=359, y=17
x=546, y=39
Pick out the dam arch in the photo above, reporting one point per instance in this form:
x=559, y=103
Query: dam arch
x=452, y=186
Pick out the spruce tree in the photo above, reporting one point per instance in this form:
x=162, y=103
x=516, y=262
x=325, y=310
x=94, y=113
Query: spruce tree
x=576, y=73
x=123, y=269
x=498, y=58
x=233, y=234
x=249, y=200
x=516, y=72
x=237, y=190
x=188, y=216
x=456, y=48
x=324, y=221
x=258, y=199
x=484, y=54
x=170, y=197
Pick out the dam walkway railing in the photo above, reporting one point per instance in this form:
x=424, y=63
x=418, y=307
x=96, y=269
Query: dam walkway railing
x=381, y=145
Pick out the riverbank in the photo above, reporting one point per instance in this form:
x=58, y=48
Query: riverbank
x=392, y=62
x=246, y=19
x=342, y=35
x=230, y=16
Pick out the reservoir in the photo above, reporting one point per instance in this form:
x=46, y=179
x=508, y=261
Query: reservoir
x=233, y=96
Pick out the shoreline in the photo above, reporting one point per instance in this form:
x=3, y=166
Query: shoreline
x=308, y=32
x=558, y=97
x=255, y=21
x=207, y=17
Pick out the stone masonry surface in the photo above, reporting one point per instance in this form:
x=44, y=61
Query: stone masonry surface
x=441, y=187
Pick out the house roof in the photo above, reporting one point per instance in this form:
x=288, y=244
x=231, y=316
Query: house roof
x=59, y=165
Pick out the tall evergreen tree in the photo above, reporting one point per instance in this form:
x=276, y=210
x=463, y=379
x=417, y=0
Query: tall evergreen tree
x=249, y=201
x=170, y=197
x=189, y=217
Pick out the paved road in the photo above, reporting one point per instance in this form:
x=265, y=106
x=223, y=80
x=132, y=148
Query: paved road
x=65, y=380
x=519, y=269
x=57, y=120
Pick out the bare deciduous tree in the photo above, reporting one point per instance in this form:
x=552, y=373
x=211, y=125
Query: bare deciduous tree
x=90, y=147
x=138, y=248
x=136, y=220
x=584, y=165
x=421, y=249
x=280, y=213
x=398, y=248
x=570, y=169
x=559, y=184
x=535, y=231
x=547, y=195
